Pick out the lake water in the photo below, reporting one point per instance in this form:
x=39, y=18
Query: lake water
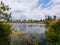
x=29, y=28
x=32, y=31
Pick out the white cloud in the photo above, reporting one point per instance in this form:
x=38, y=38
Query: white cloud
x=23, y=9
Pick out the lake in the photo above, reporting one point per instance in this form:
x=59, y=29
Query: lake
x=29, y=28
x=31, y=32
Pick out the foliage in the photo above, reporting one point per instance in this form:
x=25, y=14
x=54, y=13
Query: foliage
x=49, y=18
x=5, y=29
x=53, y=33
x=5, y=32
x=3, y=12
x=55, y=17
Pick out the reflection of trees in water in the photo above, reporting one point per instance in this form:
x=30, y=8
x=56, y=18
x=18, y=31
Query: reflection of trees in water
x=30, y=25
x=30, y=39
x=29, y=28
x=36, y=25
x=42, y=40
x=22, y=27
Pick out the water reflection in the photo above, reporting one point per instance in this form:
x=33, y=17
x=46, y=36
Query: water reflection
x=29, y=28
x=32, y=33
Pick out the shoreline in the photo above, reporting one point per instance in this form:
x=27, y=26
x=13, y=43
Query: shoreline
x=26, y=23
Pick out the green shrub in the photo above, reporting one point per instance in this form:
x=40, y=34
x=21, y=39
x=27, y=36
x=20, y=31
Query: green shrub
x=53, y=33
x=5, y=32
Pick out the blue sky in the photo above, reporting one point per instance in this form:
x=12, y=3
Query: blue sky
x=33, y=9
x=45, y=3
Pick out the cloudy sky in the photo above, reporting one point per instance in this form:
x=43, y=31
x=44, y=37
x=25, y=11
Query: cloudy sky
x=33, y=9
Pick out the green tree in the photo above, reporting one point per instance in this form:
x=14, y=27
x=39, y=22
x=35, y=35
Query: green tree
x=5, y=29
x=3, y=11
x=48, y=20
x=55, y=17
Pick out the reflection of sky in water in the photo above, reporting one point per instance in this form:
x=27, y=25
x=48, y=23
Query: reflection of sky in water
x=30, y=28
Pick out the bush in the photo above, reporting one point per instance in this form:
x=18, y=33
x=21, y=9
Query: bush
x=53, y=33
x=5, y=32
